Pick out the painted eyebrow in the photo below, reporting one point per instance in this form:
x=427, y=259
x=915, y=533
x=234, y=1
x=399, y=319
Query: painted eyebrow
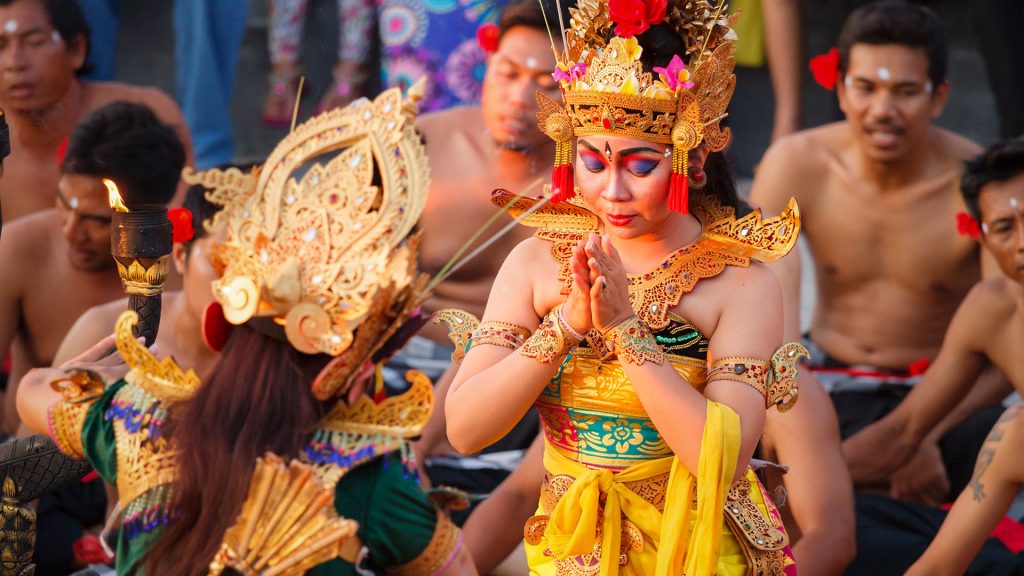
x=637, y=150
x=590, y=147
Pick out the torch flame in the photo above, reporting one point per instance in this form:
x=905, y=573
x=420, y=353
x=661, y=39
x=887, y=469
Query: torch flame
x=114, y=196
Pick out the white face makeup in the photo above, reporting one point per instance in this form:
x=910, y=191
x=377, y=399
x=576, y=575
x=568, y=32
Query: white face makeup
x=531, y=63
x=1014, y=203
x=73, y=202
x=11, y=26
x=883, y=73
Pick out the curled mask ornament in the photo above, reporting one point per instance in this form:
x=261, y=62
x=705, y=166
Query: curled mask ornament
x=321, y=239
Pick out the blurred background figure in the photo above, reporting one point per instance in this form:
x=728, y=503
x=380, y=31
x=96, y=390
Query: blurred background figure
x=436, y=40
x=351, y=72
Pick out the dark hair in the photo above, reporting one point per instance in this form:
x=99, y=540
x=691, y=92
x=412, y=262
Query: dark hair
x=531, y=13
x=69, y=21
x=897, y=22
x=126, y=143
x=258, y=398
x=1002, y=161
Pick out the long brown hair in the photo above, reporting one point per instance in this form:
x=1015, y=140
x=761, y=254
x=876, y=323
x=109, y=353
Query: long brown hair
x=257, y=398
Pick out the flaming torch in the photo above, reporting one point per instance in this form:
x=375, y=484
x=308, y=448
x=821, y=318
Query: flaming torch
x=140, y=241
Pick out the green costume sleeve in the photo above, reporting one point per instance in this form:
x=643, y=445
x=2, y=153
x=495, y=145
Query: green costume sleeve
x=397, y=524
x=98, y=436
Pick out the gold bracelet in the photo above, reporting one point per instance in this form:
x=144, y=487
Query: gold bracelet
x=79, y=389
x=497, y=333
x=750, y=371
x=549, y=342
x=632, y=341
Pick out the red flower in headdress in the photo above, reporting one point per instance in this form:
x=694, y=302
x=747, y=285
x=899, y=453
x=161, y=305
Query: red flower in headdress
x=632, y=17
x=966, y=225
x=487, y=37
x=825, y=68
x=181, y=220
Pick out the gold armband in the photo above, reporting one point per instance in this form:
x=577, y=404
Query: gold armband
x=496, y=333
x=550, y=341
x=79, y=389
x=632, y=341
x=774, y=379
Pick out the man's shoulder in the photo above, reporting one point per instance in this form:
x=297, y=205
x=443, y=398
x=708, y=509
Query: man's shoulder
x=103, y=93
x=993, y=298
x=810, y=147
x=28, y=235
x=795, y=165
x=953, y=146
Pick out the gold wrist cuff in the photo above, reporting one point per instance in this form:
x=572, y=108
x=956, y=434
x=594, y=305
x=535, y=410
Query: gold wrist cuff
x=79, y=389
x=549, y=342
x=632, y=341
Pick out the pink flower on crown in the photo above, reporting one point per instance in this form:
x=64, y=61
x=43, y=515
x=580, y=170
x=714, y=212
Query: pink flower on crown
x=564, y=73
x=675, y=74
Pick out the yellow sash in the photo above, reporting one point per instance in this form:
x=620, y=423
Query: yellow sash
x=571, y=529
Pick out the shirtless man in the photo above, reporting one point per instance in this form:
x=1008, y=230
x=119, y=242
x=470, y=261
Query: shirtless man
x=988, y=329
x=43, y=47
x=878, y=198
x=57, y=262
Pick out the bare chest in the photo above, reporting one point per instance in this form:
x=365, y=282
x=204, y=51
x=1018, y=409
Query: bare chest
x=54, y=301
x=908, y=241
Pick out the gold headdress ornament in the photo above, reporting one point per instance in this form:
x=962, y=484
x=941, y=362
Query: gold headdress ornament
x=321, y=238
x=606, y=90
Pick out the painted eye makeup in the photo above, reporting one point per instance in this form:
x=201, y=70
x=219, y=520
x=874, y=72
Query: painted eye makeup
x=592, y=161
x=639, y=166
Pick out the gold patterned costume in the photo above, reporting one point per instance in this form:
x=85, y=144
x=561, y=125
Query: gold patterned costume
x=602, y=450
x=321, y=252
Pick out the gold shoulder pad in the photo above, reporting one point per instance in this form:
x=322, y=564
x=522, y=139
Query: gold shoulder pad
x=461, y=325
x=163, y=379
x=750, y=236
x=287, y=526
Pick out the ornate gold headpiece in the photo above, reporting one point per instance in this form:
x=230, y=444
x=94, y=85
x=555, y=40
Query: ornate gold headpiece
x=606, y=90
x=321, y=236
x=164, y=379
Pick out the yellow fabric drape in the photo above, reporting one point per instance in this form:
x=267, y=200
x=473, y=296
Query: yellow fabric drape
x=683, y=536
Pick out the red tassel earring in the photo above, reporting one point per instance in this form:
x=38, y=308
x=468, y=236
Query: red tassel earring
x=679, y=184
x=558, y=127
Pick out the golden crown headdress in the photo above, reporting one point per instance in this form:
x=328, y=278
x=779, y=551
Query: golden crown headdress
x=321, y=238
x=607, y=91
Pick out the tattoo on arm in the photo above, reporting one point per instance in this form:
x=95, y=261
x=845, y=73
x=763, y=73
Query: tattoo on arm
x=988, y=451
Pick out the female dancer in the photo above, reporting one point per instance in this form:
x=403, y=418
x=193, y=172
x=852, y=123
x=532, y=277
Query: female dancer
x=318, y=276
x=653, y=360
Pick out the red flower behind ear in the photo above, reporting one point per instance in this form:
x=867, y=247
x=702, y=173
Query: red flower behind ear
x=966, y=225
x=825, y=68
x=487, y=37
x=181, y=220
x=62, y=151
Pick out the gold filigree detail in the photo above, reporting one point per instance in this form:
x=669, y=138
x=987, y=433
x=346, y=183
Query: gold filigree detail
x=79, y=390
x=549, y=341
x=502, y=334
x=163, y=379
x=461, y=325
x=781, y=382
x=401, y=416
x=762, y=543
x=322, y=231
x=141, y=280
x=751, y=236
x=287, y=526
x=632, y=342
